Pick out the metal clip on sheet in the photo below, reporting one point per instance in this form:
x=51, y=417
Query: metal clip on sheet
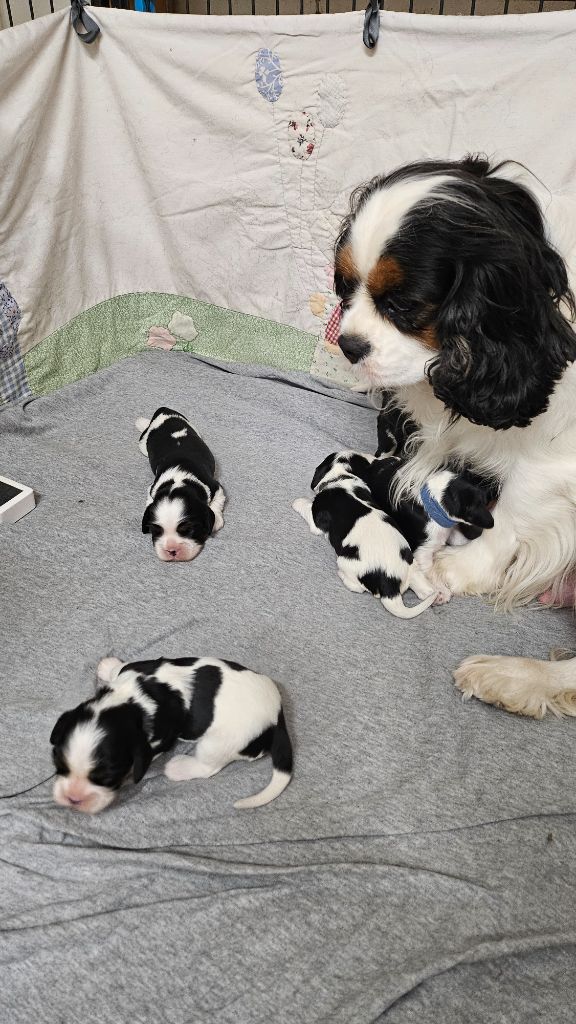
x=371, y=24
x=80, y=18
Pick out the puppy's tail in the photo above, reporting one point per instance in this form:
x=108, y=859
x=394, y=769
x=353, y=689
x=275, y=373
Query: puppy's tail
x=281, y=753
x=397, y=607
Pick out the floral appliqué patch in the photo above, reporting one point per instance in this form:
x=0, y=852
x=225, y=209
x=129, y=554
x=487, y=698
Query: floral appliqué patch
x=268, y=75
x=301, y=135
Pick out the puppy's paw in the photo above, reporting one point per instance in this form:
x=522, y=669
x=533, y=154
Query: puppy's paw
x=108, y=669
x=443, y=596
x=142, y=424
x=218, y=522
x=302, y=506
x=352, y=583
x=179, y=769
x=182, y=768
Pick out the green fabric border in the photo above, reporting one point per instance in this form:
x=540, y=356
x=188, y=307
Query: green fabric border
x=118, y=327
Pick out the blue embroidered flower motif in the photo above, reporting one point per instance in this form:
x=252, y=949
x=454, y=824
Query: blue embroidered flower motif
x=10, y=317
x=268, y=75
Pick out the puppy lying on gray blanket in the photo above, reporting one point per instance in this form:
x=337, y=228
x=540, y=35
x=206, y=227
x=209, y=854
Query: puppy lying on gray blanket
x=373, y=555
x=387, y=548
x=451, y=509
x=185, y=501
x=143, y=707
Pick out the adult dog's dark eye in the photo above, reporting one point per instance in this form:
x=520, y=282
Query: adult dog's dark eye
x=392, y=308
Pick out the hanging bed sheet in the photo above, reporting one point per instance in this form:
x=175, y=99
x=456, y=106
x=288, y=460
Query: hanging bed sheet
x=179, y=182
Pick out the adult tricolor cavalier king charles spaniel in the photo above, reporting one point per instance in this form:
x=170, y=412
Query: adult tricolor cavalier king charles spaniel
x=454, y=299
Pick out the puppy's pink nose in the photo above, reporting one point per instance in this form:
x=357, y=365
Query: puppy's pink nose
x=172, y=552
x=74, y=800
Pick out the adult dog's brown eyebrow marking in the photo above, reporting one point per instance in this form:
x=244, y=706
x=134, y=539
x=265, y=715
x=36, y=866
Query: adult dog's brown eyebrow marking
x=385, y=275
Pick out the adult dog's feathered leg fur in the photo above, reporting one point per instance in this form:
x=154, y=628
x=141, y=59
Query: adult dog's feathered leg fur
x=524, y=686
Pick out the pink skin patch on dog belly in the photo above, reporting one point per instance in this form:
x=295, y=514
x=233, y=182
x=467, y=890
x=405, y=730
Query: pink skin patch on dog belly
x=566, y=596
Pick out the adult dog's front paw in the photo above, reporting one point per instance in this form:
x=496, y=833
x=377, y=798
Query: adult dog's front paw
x=521, y=685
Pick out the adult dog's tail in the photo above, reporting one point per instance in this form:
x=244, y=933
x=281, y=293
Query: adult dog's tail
x=281, y=753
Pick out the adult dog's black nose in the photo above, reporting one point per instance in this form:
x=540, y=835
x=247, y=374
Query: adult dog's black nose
x=353, y=347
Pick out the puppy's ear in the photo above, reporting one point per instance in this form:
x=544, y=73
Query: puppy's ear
x=322, y=469
x=142, y=756
x=467, y=501
x=503, y=345
x=147, y=519
x=479, y=515
x=394, y=428
x=210, y=520
x=64, y=724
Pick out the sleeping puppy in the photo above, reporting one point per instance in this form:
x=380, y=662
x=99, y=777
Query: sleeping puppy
x=395, y=428
x=142, y=708
x=185, y=501
x=452, y=508
x=373, y=555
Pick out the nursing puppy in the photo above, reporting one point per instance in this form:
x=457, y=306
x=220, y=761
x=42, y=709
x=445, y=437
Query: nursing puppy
x=451, y=509
x=185, y=501
x=142, y=708
x=373, y=555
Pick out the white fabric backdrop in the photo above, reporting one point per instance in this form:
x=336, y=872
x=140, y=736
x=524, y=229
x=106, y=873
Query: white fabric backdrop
x=150, y=162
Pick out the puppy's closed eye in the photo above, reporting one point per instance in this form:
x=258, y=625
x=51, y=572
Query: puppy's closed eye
x=187, y=527
x=60, y=762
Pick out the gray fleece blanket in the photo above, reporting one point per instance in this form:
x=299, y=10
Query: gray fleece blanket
x=422, y=864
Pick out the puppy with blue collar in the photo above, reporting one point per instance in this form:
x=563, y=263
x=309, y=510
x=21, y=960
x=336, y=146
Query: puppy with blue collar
x=185, y=501
x=452, y=508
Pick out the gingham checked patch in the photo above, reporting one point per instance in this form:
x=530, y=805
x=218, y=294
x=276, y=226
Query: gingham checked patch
x=332, y=332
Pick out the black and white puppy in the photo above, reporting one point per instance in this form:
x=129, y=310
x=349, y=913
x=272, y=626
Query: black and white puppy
x=452, y=508
x=142, y=708
x=185, y=501
x=373, y=555
x=395, y=428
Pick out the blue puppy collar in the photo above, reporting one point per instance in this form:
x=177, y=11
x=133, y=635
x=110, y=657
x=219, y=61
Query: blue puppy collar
x=434, y=510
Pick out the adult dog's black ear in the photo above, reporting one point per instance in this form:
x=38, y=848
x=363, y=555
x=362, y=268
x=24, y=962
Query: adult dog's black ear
x=142, y=756
x=504, y=343
x=147, y=519
x=322, y=469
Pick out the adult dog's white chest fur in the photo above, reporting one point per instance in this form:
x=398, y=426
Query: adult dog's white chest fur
x=533, y=543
